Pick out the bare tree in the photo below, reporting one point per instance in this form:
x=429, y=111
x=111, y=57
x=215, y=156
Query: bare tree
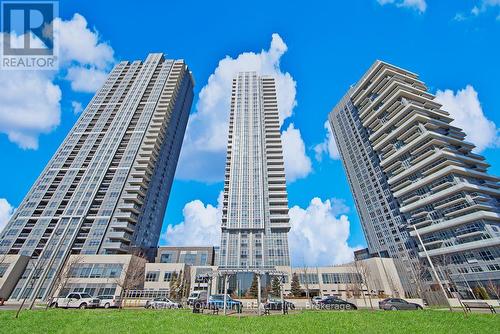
x=186, y=285
x=357, y=284
x=365, y=278
x=174, y=285
x=63, y=276
x=181, y=285
x=442, y=263
x=348, y=290
x=421, y=275
x=133, y=277
x=493, y=288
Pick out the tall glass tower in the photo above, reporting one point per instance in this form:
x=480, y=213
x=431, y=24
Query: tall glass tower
x=106, y=188
x=255, y=220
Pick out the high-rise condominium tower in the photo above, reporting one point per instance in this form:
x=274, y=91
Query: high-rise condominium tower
x=106, y=188
x=411, y=171
x=255, y=220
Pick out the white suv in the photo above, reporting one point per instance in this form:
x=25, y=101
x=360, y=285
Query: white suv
x=107, y=301
x=75, y=300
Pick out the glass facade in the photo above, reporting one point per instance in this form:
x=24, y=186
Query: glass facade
x=414, y=175
x=255, y=219
x=106, y=188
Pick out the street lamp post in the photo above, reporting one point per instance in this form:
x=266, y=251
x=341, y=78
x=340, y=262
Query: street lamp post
x=258, y=294
x=225, y=294
x=282, y=285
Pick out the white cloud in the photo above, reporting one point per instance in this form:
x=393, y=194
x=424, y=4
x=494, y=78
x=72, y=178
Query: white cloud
x=86, y=80
x=201, y=225
x=418, y=5
x=30, y=106
x=6, y=211
x=81, y=45
x=328, y=146
x=479, y=8
x=319, y=234
x=297, y=163
x=484, y=5
x=465, y=108
x=77, y=107
x=204, y=148
x=30, y=100
x=82, y=52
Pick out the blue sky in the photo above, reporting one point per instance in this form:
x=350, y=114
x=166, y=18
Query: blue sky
x=329, y=45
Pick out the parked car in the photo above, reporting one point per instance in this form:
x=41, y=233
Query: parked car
x=107, y=301
x=317, y=299
x=75, y=300
x=275, y=304
x=199, y=303
x=162, y=302
x=218, y=301
x=398, y=304
x=199, y=296
x=334, y=303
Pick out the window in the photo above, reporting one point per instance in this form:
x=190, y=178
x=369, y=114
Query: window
x=97, y=271
x=114, y=270
x=189, y=259
x=3, y=269
x=167, y=257
x=167, y=276
x=492, y=267
x=308, y=279
x=486, y=255
x=152, y=276
x=203, y=258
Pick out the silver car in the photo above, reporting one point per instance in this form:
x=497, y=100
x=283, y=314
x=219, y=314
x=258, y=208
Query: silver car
x=162, y=303
x=394, y=304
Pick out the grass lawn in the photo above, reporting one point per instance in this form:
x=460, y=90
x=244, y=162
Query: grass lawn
x=183, y=321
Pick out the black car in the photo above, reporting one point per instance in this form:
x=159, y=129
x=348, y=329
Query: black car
x=334, y=303
x=275, y=304
x=394, y=304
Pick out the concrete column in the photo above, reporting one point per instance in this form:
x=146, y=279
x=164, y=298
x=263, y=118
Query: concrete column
x=209, y=287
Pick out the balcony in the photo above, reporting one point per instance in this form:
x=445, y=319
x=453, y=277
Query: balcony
x=121, y=236
x=136, y=189
x=116, y=246
x=129, y=216
x=131, y=207
x=123, y=225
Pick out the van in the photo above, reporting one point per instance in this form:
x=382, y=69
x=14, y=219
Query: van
x=199, y=296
